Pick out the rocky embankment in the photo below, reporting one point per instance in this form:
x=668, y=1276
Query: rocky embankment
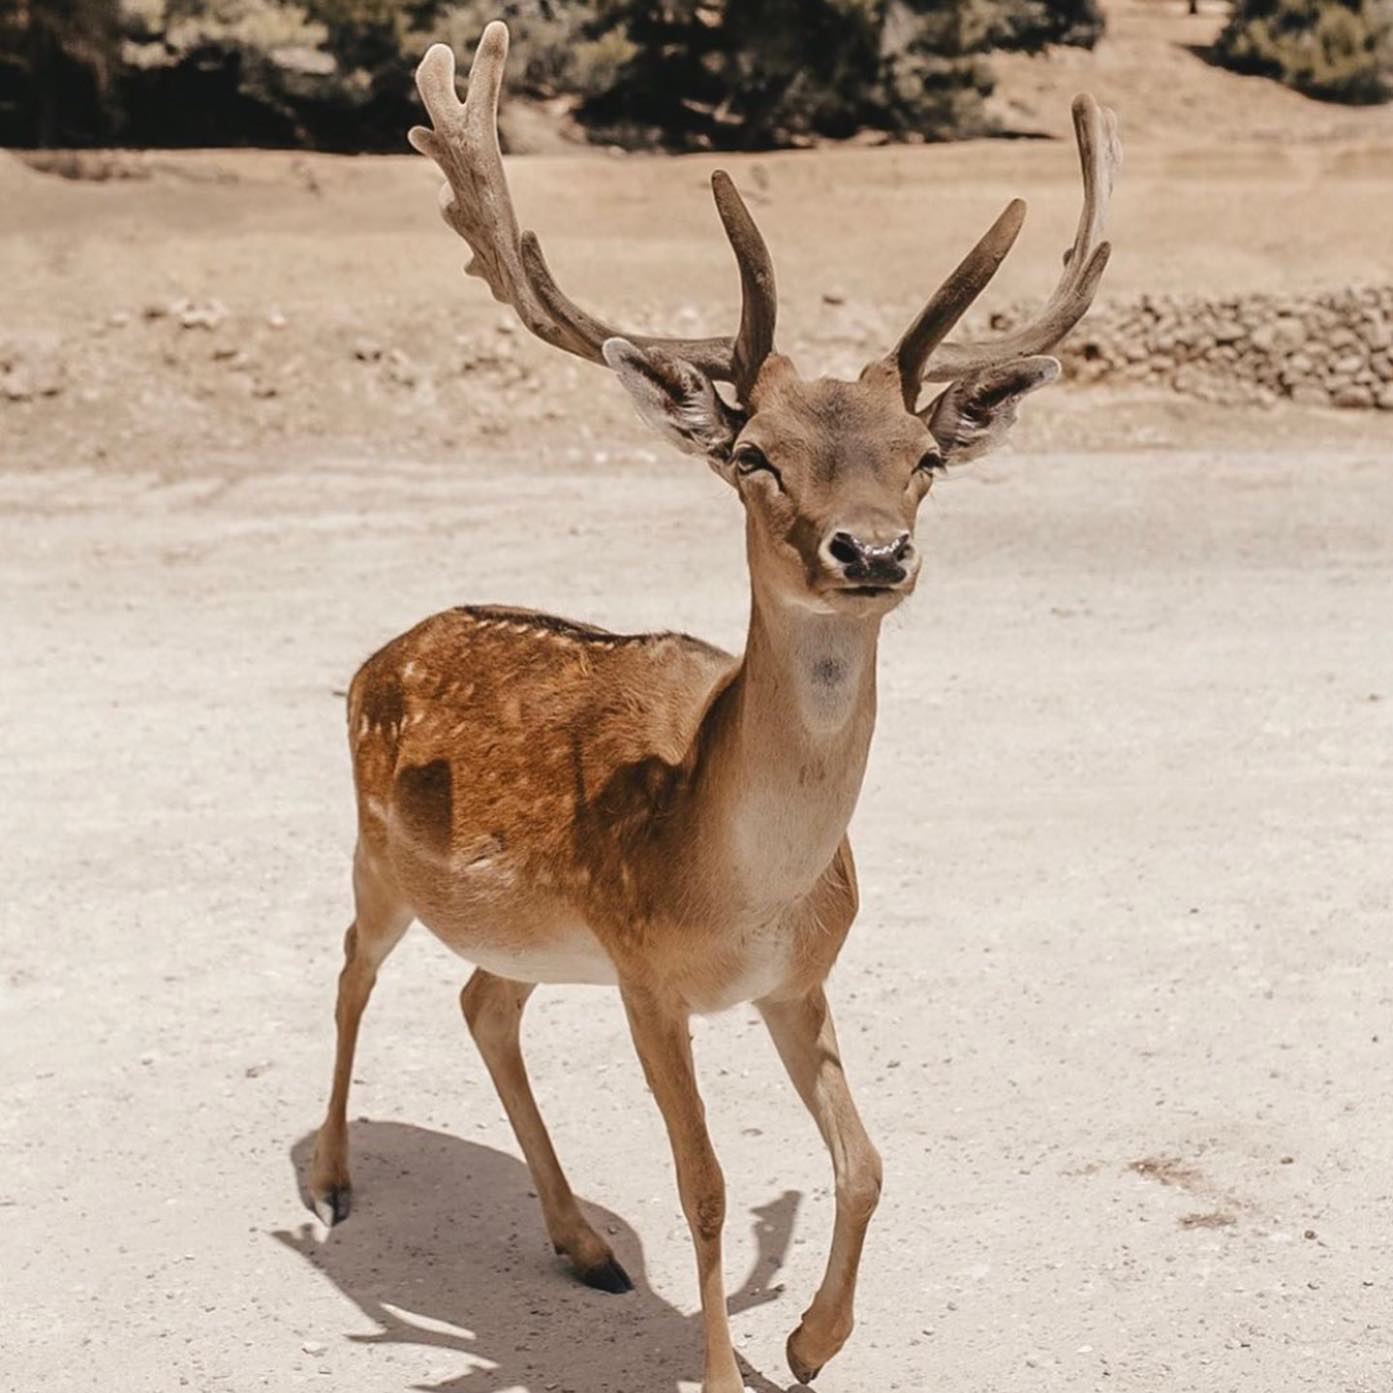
x=1332, y=349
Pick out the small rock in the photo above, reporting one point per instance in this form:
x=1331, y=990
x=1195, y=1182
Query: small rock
x=314, y=1347
x=1353, y=397
x=1308, y=394
x=367, y=350
x=208, y=315
x=401, y=369
x=18, y=383
x=834, y=296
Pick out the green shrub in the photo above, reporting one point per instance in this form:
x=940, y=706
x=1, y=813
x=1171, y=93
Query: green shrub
x=1032, y=25
x=1337, y=50
x=58, y=63
x=754, y=73
x=337, y=74
x=553, y=50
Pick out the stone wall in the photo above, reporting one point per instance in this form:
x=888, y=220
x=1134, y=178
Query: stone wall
x=1333, y=349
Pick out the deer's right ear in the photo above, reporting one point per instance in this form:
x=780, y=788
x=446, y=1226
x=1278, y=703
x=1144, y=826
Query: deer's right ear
x=675, y=398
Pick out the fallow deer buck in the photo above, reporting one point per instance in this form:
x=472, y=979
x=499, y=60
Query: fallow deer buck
x=562, y=804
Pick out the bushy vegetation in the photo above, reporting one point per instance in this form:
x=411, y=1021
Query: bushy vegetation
x=1337, y=50
x=1033, y=24
x=336, y=74
x=76, y=43
x=773, y=72
x=754, y=73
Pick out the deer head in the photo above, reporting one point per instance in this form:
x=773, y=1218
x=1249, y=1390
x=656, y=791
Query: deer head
x=831, y=473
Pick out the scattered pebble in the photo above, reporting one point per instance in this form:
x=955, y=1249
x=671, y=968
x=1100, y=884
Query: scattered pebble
x=208, y=314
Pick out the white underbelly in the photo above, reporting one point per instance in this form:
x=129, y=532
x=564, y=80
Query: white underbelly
x=572, y=955
x=751, y=981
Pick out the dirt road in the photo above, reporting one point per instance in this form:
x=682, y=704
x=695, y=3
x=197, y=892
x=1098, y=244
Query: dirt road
x=1117, y=1007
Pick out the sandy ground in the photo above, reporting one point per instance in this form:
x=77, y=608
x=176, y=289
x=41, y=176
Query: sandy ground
x=345, y=316
x=1118, y=1006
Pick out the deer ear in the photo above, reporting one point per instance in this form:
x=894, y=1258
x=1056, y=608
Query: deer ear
x=677, y=400
x=975, y=413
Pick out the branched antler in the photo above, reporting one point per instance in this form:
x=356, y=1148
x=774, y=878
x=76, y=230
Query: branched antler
x=476, y=202
x=924, y=355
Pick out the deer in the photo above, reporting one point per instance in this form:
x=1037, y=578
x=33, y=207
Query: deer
x=562, y=804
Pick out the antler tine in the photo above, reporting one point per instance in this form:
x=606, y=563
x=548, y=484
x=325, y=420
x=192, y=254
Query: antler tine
x=1100, y=156
x=475, y=200
x=712, y=356
x=759, y=300
x=953, y=299
x=477, y=204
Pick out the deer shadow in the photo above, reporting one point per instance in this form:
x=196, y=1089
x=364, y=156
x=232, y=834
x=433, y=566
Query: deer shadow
x=448, y=1232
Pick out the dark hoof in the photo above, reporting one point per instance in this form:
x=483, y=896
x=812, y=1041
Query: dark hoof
x=334, y=1205
x=802, y=1372
x=608, y=1276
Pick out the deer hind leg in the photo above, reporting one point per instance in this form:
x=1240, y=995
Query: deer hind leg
x=493, y=1009
x=379, y=921
x=663, y=1039
x=807, y=1042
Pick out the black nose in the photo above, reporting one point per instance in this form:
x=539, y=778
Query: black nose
x=876, y=563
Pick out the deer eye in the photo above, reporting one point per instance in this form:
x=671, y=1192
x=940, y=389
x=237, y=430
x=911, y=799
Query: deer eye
x=750, y=459
x=928, y=462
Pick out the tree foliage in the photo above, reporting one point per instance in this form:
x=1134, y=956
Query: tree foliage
x=337, y=74
x=750, y=73
x=1033, y=25
x=58, y=60
x=1337, y=50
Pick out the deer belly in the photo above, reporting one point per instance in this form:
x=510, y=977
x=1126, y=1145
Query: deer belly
x=532, y=944
x=577, y=957
x=754, y=970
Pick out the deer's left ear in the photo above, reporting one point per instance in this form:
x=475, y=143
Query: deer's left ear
x=975, y=413
x=675, y=398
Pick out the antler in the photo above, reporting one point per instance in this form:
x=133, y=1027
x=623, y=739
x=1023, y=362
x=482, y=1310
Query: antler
x=923, y=355
x=475, y=201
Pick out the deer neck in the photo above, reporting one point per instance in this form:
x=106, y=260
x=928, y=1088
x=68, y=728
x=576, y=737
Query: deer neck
x=786, y=749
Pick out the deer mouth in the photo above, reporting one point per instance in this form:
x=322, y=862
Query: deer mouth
x=866, y=598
